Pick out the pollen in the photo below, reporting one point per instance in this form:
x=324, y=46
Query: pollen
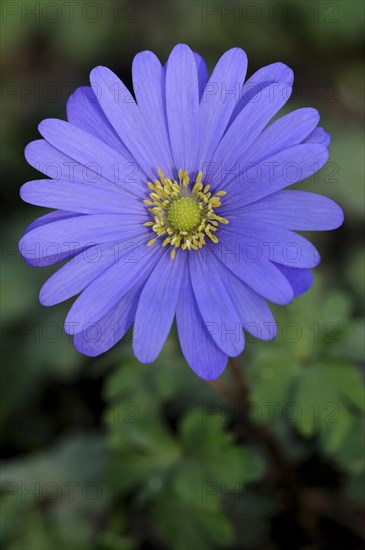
x=183, y=214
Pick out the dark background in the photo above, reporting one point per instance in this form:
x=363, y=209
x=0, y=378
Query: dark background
x=109, y=454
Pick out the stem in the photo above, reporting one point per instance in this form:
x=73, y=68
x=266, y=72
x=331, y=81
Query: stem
x=266, y=439
x=263, y=435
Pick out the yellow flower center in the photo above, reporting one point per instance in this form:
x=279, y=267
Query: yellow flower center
x=184, y=215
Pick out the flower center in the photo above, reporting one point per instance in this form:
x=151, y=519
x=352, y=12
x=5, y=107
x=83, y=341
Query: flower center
x=183, y=214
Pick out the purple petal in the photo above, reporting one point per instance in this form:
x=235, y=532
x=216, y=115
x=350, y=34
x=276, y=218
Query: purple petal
x=35, y=260
x=54, y=216
x=84, y=111
x=287, y=131
x=80, y=198
x=266, y=76
x=127, y=120
x=248, y=263
x=182, y=106
x=216, y=307
x=202, y=73
x=248, y=125
x=157, y=306
x=300, y=279
x=254, y=312
x=73, y=234
x=106, y=291
x=53, y=163
x=201, y=353
x=274, y=243
x=219, y=100
x=319, y=135
x=88, y=150
x=150, y=91
x=99, y=337
x=279, y=171
x=77, y=274
x=298, y=210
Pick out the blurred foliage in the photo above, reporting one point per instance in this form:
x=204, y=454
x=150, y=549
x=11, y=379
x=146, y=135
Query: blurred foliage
x=313, y=382
x=108, y=454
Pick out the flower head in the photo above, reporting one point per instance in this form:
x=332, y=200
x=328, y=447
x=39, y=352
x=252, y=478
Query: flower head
x=174, y=203
x=183, y=213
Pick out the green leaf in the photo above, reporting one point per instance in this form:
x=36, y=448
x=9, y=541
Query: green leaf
x=328, y=395
x=183, y=526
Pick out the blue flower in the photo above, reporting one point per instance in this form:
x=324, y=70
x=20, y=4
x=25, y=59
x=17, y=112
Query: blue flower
x=174, y=203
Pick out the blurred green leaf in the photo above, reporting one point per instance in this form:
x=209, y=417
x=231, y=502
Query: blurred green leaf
x=185, y=527
x=67, y=480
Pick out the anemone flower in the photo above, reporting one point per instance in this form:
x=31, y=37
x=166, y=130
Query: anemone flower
x=173, y=202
